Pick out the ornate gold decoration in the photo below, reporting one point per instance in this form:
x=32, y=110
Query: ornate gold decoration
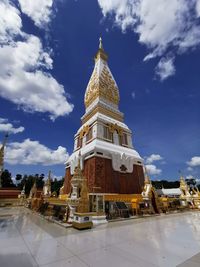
x=84, y=199
x=47, y=186
x=101, y=53
x=102, y=86
x=33, y=192
x=54, y=194
x=61, y=191
x=122, y=197
x=114, y=127
x=104, y=111
x=77, y=172
x=84, y=131
x=147, y=179
x=101, y=83
x=183, y=184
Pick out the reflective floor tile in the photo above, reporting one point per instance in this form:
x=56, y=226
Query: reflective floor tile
x=71, y=262
x=47, y=251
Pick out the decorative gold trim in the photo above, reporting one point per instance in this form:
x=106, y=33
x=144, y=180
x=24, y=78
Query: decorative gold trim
x=84, y=225
x=122, y=197
x=83, y=214
x=104, y=111
x=101, y=54
x=84, y=131
x=114, y=127
x=102, y=85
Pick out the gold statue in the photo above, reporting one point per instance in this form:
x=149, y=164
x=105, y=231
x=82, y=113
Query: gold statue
x=84, y=199
x=47, y=186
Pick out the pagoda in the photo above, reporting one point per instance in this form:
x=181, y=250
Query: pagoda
x=109, y=161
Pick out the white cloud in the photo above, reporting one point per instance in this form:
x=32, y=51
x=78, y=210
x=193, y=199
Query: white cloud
x=40, y=11
x=189, y=176
x=165, y=68
x=193, y=177
x=160, y=24
x=10, y=21
x=57, y=177
x=24, y=76
x=194, y=162
x=152, y=169
x=32, y=152
x=197, y=181
x=123, y=11
x=152, y=158
x=5, y=126
x=133, y=95
x=198, y=8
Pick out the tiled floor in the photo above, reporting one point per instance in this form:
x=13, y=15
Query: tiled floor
x=27, y=240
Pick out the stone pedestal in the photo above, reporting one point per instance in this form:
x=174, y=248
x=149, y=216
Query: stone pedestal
x=82, y=220
x=99, y=219
x=72, y=209
x=184, y=203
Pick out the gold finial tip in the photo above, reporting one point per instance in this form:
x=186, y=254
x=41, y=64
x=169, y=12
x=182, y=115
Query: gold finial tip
x=100, y=43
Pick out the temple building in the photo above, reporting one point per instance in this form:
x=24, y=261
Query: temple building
x=109, y=161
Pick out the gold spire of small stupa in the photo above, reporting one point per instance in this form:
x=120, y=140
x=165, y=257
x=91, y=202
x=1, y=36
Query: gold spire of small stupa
x=49, y=177
x=146, y=178
x=77, y=170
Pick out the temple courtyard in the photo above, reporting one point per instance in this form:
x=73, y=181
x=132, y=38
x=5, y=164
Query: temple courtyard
x=26, y=239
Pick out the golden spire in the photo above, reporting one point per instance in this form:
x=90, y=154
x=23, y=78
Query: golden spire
x=182, y=182
x=101, y=53
x=100, y=43
x=48, y=181
x=79, y=160
x=77, y=170
x=84, y=199
x=146, y=178
x=49, y=176
x=102, y=84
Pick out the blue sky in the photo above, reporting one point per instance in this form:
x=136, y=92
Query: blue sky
x=46, y=54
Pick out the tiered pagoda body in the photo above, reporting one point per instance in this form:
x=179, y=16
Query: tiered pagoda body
x=108, y=160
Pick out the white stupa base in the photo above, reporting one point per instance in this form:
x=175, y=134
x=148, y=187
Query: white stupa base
x=71, y=213
x=99, y=219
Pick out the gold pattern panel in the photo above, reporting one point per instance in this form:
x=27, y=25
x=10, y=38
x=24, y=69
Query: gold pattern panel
x=104, y=111
x=103, y=86
x=84, y=131
x=115, y=127
x=101, y=54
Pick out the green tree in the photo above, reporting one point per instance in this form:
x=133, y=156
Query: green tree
x=28, y=181
x=165, y=184
x=6, y=179
x=18, y=177
x=40, y=180
x=56, y=185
